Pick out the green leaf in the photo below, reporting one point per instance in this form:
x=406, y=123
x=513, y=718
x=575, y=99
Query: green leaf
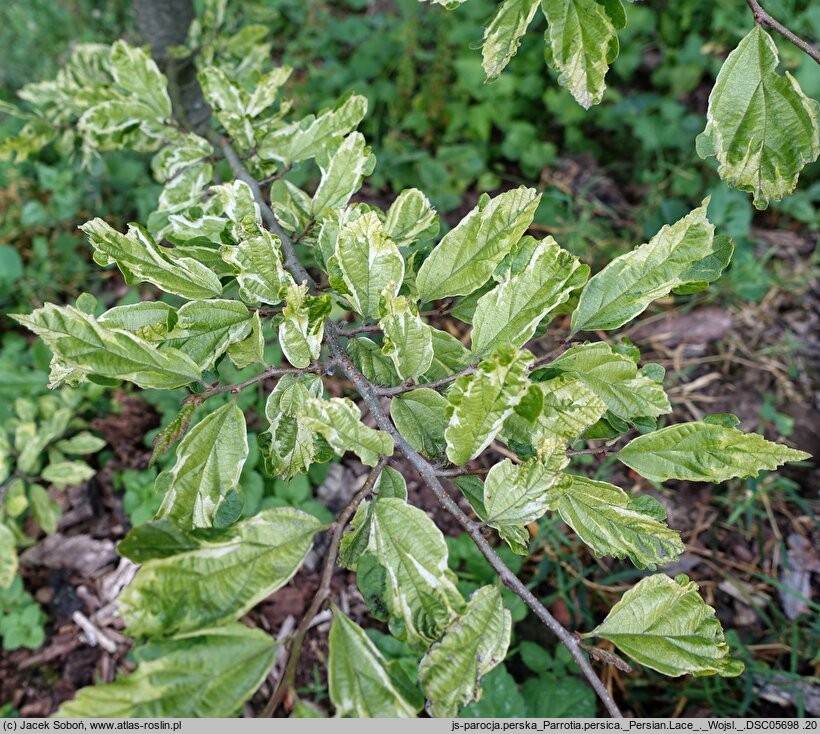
x=236, y=201
x=503, y=36
x=579, y=39
x=30, y=438
x=338, y=420
x=473, y=489
x=15, y=501
x=684, y=255
x=290, y=447
x=704, y=452
x=369, y=262
x=665, y=625
x=615, y=379
x=250, y=350
x=107, y=125
x=559, y=696
x=511, y=312
x=411, y=218
x=8, y=556
x=169, y=435
x=421, y=418
x=148, y=320
x=517, y=494
x=400, y=559
x=186, y=189
x=209, y=461
x=569, y=408
x=82, y=443
x=303, y=325
x=531, y=405
x=408, y=341
x=390, y=484
x=46, y=512
x=482, y=401
x=754, y=154
x=156, y=539
x=64, y=474
x=80, y=342
x=11, y=265
x=180, y=153
x=306, y=138
x=267, y=90
x=290, y=395
x=229, y=572
x=140, y=259
x=471, y=647
x=292, y=206
x=603, y=516
x=343, y=174
x=22, y=621
x=257, y=263
x=209, y=674
x=135, y=71
x=449, y=356
x=221, y=92
x=500, y=698
x=359, y=682
x=369, y=360
x=205, y=329
x=708, y=270
x=467, y=255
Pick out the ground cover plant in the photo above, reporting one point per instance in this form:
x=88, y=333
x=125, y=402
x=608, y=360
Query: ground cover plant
x=346, y=292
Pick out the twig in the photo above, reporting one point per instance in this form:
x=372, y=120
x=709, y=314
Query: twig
x=763, y=18
x=337, y=529
x=552, y=354
x=399, y=389
x=275, y=176
x=595, y=452
x=371, y=399
x=364, y=328
x=442, y=310
x=93, y=634
x=318, y=367
x=461, y=472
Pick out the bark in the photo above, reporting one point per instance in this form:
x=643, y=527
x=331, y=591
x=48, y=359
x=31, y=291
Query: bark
x=165, y=23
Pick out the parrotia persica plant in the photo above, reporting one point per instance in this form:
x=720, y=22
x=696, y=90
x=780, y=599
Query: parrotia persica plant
x=242, y=257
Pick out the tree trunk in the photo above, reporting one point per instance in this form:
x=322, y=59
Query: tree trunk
x=164, y=23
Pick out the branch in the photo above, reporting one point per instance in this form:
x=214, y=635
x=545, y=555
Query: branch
x=322, y=593
x=763, y=18
x=370, y=396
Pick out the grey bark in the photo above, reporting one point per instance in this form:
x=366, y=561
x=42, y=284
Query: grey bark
x=165, y=23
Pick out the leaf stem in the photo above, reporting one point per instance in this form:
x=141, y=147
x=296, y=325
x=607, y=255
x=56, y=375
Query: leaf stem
x=763, y=18
x=322, y=593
